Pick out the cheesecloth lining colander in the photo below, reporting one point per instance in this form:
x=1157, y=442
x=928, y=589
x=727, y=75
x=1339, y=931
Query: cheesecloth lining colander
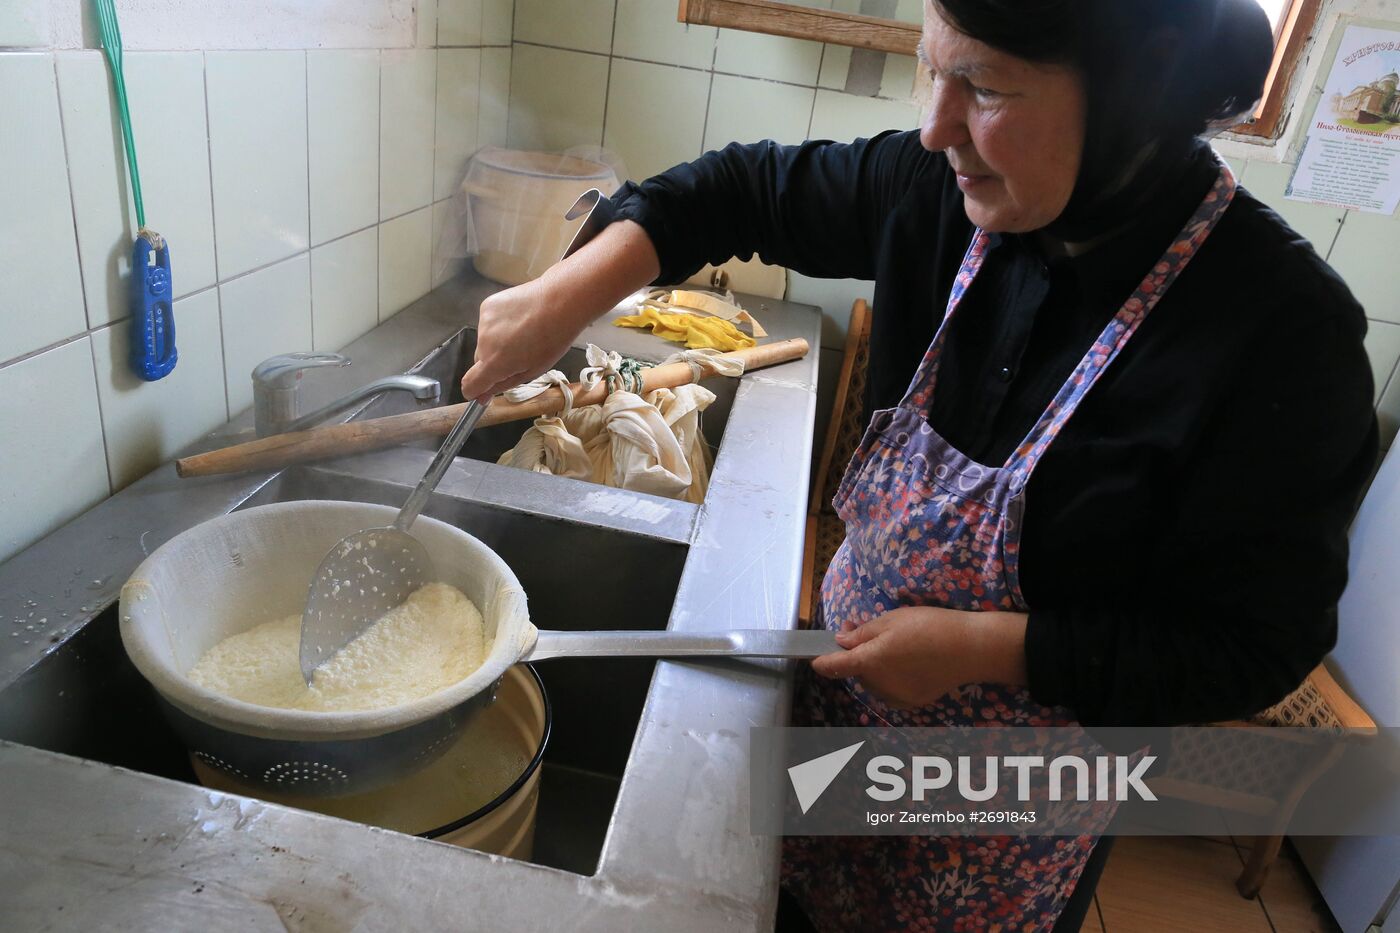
x=246, y=568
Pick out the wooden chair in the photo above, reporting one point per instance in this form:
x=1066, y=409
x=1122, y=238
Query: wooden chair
x=1271, y=782
x=1197, y=772
x=825, y=530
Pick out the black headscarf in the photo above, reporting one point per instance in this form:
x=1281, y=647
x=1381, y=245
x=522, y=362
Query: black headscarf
x=1157, y=75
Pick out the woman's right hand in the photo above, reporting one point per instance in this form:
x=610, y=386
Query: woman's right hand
x=525, y=330
x=517, y=338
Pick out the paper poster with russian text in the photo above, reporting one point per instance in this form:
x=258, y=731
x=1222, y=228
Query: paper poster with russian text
x=1352, y=155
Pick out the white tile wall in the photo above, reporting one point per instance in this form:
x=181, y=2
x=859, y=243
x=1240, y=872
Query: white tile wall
x=24, y=23
x=102, y=207
x=908, y=11
x=448, y=246
x=557, y=98
x=458, y=77
x=497, y=17
x=43, y=300
x=1365, y=255
x=342, y=96
x=258, y=157
x=459, y=22
x=166, y=95
x=649, y=31
x=897, y=82
x=426, y=24
x=836, y=65
x=294, y=139
x=405, y=261
x=264, y=313
x=845, y=117
x=145, y=423
x=668, y=96
x=656, y=115
x=585, y=25
x=773, y=57
x=747, y=110
x=407, y=105
x=675, y=90
x=344, y=289
x=60, y=468
x=494, y=97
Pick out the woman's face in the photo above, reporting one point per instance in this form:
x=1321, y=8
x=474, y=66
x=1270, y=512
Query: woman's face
x=1013, y=130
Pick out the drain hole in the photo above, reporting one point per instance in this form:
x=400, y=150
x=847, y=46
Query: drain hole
x=305, y=774
x=214, y=761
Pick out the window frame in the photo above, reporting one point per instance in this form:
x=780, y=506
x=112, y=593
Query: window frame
x=1295, y=31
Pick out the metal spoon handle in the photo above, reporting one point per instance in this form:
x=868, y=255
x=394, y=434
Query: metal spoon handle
x=746, y=643
x=455, y=439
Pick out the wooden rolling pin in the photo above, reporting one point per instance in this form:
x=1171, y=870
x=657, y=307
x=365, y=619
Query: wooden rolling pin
x=337, y=440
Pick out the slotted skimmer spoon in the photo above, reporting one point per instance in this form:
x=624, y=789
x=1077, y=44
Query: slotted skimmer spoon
x=375, y=570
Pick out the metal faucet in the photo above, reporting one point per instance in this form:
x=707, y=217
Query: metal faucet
x=275, y=383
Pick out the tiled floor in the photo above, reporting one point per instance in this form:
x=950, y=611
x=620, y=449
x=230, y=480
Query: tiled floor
x=1186, y=884
x=1163, y=884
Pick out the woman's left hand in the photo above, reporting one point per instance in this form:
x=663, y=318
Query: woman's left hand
x=912, y=656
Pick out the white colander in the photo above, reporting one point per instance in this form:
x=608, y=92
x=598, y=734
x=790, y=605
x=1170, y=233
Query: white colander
x=246, y=568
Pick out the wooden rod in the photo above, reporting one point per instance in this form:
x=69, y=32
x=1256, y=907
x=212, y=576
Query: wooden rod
x=336, y=440
x=799, y=22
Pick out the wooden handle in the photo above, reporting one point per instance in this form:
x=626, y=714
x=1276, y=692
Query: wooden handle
x=799, y=22
x=337, y=440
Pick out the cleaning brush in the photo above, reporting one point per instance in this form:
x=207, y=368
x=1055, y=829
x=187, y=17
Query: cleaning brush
x=153, y=353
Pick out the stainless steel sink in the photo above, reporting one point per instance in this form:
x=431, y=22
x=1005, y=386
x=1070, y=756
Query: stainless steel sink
x=86, y=699
x=643, y=820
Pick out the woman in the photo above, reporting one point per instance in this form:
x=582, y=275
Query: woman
x=1122, y=413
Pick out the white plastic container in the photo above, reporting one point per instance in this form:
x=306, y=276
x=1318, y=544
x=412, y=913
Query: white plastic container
x=517, y=201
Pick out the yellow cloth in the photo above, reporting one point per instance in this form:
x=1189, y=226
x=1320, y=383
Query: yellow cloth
x=694, y=331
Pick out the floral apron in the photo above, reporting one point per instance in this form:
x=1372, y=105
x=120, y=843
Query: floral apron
x=927, y=526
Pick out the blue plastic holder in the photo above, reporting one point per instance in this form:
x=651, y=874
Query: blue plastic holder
x=153, y=353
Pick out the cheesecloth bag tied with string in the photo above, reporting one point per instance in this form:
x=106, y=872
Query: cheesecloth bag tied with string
x=650, y=443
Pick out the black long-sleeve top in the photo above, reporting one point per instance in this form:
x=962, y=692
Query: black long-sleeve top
x=1184, y=542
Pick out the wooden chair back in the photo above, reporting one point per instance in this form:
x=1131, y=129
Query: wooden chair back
x=825, y=530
